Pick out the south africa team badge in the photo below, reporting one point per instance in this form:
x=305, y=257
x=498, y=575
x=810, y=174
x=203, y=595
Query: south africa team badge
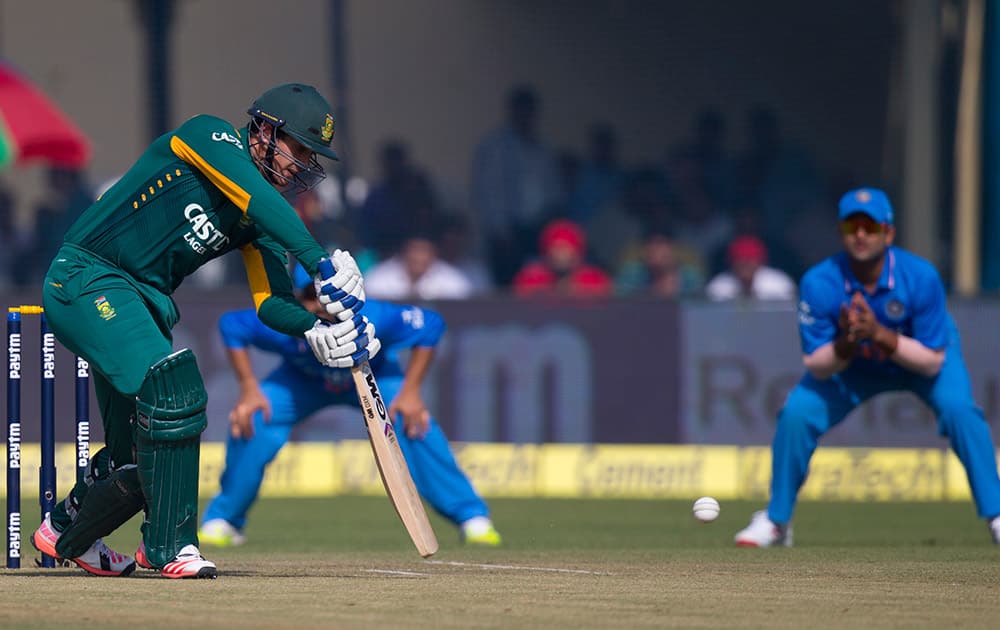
x=104, y=308
x=327, y=132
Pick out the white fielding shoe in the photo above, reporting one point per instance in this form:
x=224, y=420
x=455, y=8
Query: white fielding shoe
x=994, y=525
x=189, y=563
x=762, y=532
x=479, y=530
x=219, y=532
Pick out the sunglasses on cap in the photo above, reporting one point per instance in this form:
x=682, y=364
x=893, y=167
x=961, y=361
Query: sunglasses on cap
x=869, y=225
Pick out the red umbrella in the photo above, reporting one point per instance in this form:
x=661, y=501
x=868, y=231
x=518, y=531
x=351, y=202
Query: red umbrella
x=32, y=128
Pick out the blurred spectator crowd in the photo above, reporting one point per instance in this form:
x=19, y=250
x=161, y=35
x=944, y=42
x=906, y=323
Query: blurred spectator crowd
x=700, y=222
x=27, y=247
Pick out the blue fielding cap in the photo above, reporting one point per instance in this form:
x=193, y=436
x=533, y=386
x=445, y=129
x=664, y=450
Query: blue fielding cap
x=301, y=278
x=870, y=201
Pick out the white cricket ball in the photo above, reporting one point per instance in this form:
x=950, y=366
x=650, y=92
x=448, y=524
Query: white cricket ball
x=706, y=509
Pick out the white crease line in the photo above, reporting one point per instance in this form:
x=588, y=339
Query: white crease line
x=412, y=573
x=512, y=567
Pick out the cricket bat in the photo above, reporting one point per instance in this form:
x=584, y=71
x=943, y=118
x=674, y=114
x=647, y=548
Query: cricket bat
x=391, y=465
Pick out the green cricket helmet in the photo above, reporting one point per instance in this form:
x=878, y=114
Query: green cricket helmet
x=301, y=112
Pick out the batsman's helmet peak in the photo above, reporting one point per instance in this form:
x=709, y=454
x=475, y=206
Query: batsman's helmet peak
x=300, y=111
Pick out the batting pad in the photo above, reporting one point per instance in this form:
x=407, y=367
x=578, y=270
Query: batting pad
x=171, y=417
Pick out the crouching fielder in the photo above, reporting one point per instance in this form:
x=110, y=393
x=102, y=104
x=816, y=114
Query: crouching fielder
x=872, y=319
x=266, y=412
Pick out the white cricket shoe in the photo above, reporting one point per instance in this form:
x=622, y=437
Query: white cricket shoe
x=189, y=563
x=104, y=561
x=762, y=532
x=99, y=559
x=219, y=532
x=994, y=525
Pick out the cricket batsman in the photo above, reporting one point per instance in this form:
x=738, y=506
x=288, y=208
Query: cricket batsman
x=265, y=414
x=197, y=193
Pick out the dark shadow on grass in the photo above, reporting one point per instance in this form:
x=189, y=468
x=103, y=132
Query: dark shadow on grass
x=47, y=573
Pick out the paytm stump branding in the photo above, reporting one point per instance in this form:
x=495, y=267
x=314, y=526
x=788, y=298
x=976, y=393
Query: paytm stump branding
x=82, y=414
x=48, y=356
x=47, y=470
x=14, y=356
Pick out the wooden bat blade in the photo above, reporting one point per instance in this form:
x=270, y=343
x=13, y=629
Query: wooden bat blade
x=391, y=464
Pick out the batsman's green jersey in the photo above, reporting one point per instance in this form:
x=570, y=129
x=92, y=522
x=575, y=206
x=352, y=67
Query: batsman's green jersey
x=195, y=195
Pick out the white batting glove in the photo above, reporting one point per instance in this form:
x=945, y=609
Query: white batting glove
x=344, y=344
x=339, y=285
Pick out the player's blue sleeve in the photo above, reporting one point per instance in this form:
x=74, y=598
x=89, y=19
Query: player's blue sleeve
x=819, y=309
x=242, y=329
x=930, y=314
x=403, y=325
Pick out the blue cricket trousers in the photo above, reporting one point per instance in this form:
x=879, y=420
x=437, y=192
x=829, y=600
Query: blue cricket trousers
x=814, y=407
x=293, y=398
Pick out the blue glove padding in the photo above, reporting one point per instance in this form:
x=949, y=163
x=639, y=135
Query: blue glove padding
x=339, y=285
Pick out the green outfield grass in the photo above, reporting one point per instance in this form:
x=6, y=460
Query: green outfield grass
x=346, y=563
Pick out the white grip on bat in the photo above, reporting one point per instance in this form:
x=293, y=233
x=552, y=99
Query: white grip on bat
x=340, y=286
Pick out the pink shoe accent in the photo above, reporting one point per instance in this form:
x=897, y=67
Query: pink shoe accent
x=45, y=538
x=140, y=557
x=98, y=560
x=105, y=562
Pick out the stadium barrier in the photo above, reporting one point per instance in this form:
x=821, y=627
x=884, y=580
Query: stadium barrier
x=542, y=372
x=314, y=469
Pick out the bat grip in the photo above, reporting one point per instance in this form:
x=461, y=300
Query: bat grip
x=326, y=270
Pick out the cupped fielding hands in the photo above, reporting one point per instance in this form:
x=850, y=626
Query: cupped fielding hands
x=339, y=285
x=844, y=322
x=861, y=321
x=344, y=344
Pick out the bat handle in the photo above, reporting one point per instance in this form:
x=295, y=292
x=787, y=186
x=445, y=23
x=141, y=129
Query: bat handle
x=326, y=270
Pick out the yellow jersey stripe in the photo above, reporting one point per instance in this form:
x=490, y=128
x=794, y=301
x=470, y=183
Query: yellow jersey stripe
x=260, y=286
x=228, y=187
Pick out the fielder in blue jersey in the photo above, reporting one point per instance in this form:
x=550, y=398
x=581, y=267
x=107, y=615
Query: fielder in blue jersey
x=873, y=319
x=266, y=412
